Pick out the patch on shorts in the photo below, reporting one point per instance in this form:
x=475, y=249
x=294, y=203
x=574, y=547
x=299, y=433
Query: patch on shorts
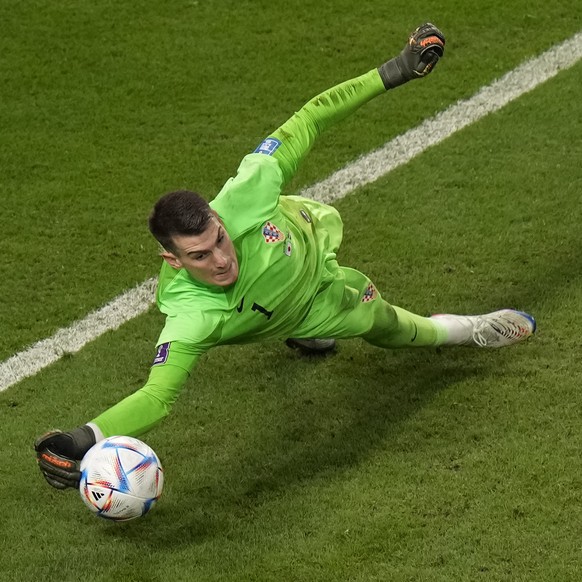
x=162, y=355
x=370, y=293
x=305, y=216
x=268, y=147
x=271, y=233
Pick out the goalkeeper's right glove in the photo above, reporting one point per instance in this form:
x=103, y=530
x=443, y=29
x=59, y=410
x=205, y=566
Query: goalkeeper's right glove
x=59, y=455
x=418, y=58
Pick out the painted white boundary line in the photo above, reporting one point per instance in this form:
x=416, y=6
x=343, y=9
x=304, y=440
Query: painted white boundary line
x=71, y=339
x=403, y=148
x=364, y=170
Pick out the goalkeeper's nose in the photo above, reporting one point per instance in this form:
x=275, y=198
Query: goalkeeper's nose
x=220, y=259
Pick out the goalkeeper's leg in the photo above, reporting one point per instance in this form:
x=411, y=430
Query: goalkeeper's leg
x=352, y=307
x=394, y=327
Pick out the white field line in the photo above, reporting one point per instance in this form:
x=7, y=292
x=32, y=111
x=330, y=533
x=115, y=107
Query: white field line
x=364, y=170
x=490, y=98
x=71, y=339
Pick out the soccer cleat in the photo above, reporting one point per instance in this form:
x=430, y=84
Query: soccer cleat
x=312, y=346
x=492, y=330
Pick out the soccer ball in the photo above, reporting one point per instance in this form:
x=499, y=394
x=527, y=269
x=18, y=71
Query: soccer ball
x=121, y=478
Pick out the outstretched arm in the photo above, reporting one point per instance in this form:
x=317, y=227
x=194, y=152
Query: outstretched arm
x=297, y=135
x=291, y=142
x=59, y=453
x=144, y=409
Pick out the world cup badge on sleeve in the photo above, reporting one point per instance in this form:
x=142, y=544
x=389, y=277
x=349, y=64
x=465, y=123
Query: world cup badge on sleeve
x=268, y=147
x=162, y=355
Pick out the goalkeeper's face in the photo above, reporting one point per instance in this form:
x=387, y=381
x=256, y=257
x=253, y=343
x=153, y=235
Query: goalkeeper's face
x=209, y=257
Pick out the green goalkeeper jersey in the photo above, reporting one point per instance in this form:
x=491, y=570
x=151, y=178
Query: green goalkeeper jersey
x=282, y=244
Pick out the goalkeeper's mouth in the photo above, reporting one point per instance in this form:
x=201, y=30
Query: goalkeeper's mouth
x=227, y=276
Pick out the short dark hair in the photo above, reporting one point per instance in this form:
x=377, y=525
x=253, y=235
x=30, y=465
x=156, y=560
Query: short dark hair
x=179, y=213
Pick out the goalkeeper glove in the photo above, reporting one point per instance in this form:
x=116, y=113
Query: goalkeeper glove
x=59, y=455
x=418, y=58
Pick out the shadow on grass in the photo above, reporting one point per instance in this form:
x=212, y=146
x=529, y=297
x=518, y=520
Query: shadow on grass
x=317, y=425
x=311, y=430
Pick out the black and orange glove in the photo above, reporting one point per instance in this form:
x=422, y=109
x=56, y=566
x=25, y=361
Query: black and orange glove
x=59, y=455
x=425, y=46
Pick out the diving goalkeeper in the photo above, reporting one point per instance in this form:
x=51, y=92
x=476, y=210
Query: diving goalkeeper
x=254, y=265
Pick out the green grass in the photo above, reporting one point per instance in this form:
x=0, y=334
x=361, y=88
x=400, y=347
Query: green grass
x=368, y=465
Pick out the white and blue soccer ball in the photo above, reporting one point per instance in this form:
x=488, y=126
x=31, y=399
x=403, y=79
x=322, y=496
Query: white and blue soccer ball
x=121, y=478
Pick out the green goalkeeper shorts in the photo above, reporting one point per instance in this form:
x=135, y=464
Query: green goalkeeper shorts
x=349, y=305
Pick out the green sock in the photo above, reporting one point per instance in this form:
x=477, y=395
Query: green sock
x=397, y=328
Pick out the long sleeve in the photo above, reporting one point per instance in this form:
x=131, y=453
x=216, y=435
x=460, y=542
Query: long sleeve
x=297, y=135
x=147, y=407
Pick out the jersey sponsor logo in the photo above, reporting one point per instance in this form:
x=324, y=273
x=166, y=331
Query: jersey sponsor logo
x=369, y=294
x=271, y=233
x=268, y=147
x=162, y=355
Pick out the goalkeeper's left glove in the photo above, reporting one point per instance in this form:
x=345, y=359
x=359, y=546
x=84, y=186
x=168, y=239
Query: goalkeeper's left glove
x=425, y=46
x=59, y=455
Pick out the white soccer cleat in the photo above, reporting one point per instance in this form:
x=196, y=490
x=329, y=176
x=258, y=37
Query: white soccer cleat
x=492, y=330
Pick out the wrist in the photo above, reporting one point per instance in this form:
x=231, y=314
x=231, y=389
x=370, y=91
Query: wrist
x=81, y=440
x=99, y=436
x=391, y=73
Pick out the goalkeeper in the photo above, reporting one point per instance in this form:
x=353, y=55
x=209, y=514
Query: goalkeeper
x=253, y=265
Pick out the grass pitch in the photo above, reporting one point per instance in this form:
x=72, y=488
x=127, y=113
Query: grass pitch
x=368, y=465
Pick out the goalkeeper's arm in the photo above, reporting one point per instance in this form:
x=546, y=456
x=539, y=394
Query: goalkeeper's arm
x=144, y=409
x=291, y=142
x=59, y=453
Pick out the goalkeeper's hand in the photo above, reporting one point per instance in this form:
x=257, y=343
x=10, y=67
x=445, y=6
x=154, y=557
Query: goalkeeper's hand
x=59, y=455
x=418, y=58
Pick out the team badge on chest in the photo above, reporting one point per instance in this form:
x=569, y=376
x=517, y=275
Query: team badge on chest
x=272, y=234
x=369, y=294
